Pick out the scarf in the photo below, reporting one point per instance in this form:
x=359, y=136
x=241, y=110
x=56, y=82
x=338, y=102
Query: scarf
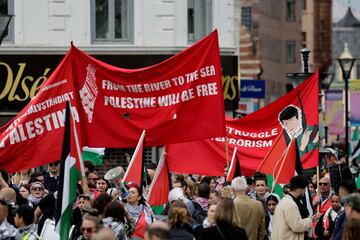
x=134, y=212
x=203, y=202
x=33, y=201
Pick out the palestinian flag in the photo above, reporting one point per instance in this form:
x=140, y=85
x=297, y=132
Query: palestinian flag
x=67, y=184
x=234, y=169
x=160, y=187
x=135, y=171
x=95, y=155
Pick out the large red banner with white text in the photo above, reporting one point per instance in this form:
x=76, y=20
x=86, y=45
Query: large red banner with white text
x=294, y=115
x=178, y=100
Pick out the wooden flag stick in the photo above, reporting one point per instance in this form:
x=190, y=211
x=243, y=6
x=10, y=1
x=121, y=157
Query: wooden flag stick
x=317, y=185
x=227, y=152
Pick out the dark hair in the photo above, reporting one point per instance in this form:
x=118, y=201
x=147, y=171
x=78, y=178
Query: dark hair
x=260, y=176
x=116, y=211
x=288, y=112
x=206, y=179
x=272, y=197
x=160, y=233
x=4, y=175
x=34, y=175
x=249, y=180
x=139, y=190
x=107, y=182
x=101, y=202
x=204, y=190
x=90, y=166
x=27, y=213
x=298, y=182
x=353, y=200
x=348, y=185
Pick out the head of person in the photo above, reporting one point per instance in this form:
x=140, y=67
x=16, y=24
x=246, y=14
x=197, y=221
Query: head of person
x=90, y=225
x=54, y=168
x=226, y=170
x=36, y=177
x=116, y=211
x=272, y=201
x=204, y=190
x=352, y=206
x=286, y=189
x=24, y=216
x=102, y=185
x=176, y=194
x=325, y=186
x=181, y=204
x=4, y=210
x=180, y=183
x=298, y=185
x=331, y=155
x=89, y=166
x=135, y=195
x=261, y=186
x=91, y=179
x=351, y=230
x=84, y=203
x=209, y=180
x=25, y=190
x=239, y=185
x=290, y=120
x=37, y=190
x=346, y=187
x=211, y=212
x=335, y=202
x=190, y=190
x=177, y=216
x=311, y=187
x=158, y=230
x=8, y=194
x=225, y=213
x=214, y=195
x=100, y=203
x=250, y=182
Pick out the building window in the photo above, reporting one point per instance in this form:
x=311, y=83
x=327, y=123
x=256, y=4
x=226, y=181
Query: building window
x=7, y=8
x=290, y=52
x=303, y=41
x=199, y=19
x=304, y=5
x=290, y=10
x=246, y=17
x=112, y=20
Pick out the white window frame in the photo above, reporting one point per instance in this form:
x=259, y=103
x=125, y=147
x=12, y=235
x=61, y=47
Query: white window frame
x=129, y=23
x=10, y=36
x=202, y=19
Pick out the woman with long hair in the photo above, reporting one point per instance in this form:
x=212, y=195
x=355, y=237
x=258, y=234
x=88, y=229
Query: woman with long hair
x=178, y=222
x=227, y=224
x=138, y=210
x=22, y=177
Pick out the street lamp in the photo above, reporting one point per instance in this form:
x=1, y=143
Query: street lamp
x=4, y=25
x=346, y=65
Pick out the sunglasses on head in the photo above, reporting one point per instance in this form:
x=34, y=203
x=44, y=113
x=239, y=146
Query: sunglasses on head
x=84, y=229
x=323, y=184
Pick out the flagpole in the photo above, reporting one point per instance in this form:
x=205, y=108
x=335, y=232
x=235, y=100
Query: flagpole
x=281, y=166
x=231, y=164
x=317, y=185
x=227, y=152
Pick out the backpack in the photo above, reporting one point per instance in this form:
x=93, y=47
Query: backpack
x=199, y=213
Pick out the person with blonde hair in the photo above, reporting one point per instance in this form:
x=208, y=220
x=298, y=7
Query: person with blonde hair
x=227, y=223
x=22, y=177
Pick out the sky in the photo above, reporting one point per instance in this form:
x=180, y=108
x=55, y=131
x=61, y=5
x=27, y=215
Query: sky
x=340, y=7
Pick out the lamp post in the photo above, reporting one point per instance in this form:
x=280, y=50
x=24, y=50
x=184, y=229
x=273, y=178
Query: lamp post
x=346, y=65
x=4, y=25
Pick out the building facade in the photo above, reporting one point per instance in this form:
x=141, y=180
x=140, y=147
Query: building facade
x=124, y=33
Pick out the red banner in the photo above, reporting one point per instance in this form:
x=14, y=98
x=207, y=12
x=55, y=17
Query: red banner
x=175, y=101
x=255, y=135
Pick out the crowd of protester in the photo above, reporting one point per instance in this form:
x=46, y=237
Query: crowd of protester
x=199, y=207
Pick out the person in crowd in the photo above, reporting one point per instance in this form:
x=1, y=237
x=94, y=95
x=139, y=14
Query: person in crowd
x=37, y=192
x=227, y=191
x=190, y=225
x=25, y=190
x=325, y=226
x=227, y=223
x=261, y=188
x=220, y=180
x=7, y=231
x=158, y=230
x=22, y=177
x=323, y=202
x=345, y=189
x=210, y=219
x=46, y=209
x=90, y=225
x=351, y=230
x=271, y=201
x=209, y=180
x=214, y=195
x=178, y=220
x=24, y=219
x=288, y=222
x=8, y=194
x=352, y=206
x=51, y=177
x=102, y=186
x=138, y=210
x=190, y=190
x=286, y=189
x=312, y=189
x=115, y=219
x=177, y=193
x=250, y=211
x=251, y=193
x=84, y=203
x=201, y=203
